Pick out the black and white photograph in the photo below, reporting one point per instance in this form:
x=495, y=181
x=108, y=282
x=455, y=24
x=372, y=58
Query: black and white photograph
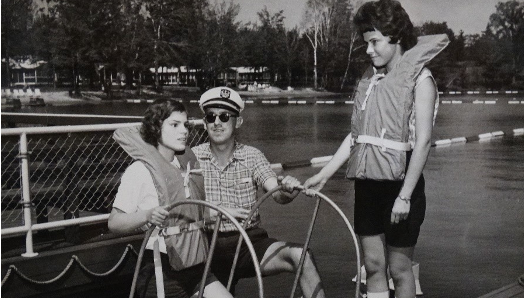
x=262, y=148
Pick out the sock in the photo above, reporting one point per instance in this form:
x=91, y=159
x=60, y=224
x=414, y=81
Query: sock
x=378, y=295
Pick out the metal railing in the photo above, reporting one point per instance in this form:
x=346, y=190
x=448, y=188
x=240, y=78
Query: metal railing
x=62, y=176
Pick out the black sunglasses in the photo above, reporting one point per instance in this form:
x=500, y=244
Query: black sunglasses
x=224, y=117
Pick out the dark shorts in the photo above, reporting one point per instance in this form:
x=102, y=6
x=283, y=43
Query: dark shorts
x=373, y=204
x=225, y=253
x=177, y=284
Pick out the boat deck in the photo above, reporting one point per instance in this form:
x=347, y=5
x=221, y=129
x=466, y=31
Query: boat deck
x=514, y=290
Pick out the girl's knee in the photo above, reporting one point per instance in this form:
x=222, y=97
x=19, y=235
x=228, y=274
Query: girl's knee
x=400, y=270
x=374, y=263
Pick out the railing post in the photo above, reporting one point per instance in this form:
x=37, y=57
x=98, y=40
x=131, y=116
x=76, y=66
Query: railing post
x=26, y=196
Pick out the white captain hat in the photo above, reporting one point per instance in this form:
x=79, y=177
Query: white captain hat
x=221, y=97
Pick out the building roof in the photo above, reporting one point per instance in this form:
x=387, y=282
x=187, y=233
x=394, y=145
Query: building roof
x=24, y=63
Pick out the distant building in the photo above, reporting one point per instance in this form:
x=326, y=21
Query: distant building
x=182, y=75
x=234, y=76
x=246, y=75
x=27, y=72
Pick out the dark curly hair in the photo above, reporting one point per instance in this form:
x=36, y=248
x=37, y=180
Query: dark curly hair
x=388, y=17
x=156, y=113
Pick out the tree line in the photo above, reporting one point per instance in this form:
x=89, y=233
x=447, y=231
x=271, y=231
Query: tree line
x=85, y=39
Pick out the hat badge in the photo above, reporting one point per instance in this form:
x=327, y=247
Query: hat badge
x=224, y=93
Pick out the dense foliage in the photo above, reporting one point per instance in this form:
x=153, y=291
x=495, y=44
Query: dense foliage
x=94, y=41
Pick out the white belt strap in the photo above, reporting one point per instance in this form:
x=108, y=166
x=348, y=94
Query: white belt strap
x=181, y=228
x=159, y=277
x=384, y=143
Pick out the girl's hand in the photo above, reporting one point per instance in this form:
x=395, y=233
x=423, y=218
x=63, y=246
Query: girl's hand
x=157, y=216
x=316, y=182
x=400, y=210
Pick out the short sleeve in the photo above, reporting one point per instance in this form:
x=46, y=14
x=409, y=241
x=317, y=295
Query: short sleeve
x=426, y=73
x=263, y=169
x=137, y=190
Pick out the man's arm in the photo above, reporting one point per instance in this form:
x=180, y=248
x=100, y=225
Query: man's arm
x=288, y=192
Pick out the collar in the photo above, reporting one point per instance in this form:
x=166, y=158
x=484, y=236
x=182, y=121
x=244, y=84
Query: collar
x=238, y=153
x=380, y=71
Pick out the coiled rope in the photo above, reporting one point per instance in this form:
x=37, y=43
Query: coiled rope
x=74, y=259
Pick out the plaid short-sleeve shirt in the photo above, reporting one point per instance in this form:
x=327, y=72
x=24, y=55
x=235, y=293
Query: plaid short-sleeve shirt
x=236, y=184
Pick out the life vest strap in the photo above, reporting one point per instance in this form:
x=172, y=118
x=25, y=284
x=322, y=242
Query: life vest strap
x=159, y=276
x=374, y=82
x=384, y=143
x=186, y=176
x=181, y=228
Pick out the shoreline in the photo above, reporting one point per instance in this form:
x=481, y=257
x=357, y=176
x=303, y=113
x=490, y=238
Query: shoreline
x=58, y=98
x=280, y=93
x=62, y=98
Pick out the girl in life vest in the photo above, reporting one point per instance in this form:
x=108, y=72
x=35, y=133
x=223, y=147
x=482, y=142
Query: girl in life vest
x=396, y=101
x=164, y=171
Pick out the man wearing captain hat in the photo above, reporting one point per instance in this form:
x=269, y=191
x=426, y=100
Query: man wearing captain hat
x=222, y=97
x=233, y=172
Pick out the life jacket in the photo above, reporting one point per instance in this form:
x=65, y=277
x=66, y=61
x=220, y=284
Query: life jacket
x=382, y=106
x=185, y=241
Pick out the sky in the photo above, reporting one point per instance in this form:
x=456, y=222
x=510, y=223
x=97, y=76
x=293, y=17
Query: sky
x=471, y=16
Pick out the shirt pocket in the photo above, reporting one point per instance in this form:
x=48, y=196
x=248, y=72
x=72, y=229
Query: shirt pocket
x=244, y=187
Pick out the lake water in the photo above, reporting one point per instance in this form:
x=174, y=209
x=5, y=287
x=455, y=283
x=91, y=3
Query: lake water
x=472, y=240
